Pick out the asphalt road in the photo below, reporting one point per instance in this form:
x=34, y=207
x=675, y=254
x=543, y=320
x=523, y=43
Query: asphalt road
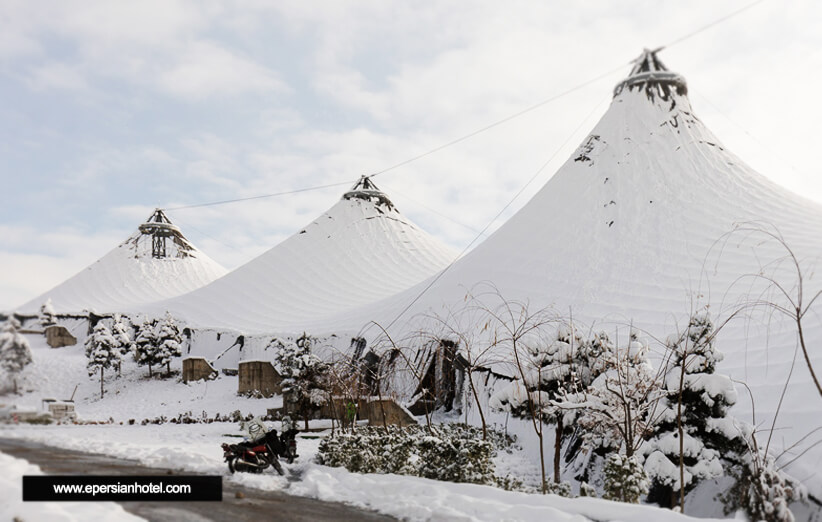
x=256, y=505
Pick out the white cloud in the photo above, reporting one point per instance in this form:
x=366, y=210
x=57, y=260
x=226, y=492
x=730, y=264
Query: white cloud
x=135, y=213
x=32, y=260
x=205, y=69
x=159, y=43
x=360, y=86
x=25, y=276
x=16, y=30
x=277, y=119
x=57, y=76
x=101, y=26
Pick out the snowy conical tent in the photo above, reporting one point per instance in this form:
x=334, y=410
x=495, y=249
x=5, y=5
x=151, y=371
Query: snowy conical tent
x=154, y=263
x=633, y=229
x=359, y=251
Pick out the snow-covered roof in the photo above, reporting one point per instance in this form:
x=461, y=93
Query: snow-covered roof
x=624, y=228
x=154, y=263
x=631, y=229
x=359, y=251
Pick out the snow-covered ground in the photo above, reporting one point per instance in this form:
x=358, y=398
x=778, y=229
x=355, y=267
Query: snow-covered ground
x=196, y=447
x=55, y=373
x=12, y=506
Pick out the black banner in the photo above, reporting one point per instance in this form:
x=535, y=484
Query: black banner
x=174, y=488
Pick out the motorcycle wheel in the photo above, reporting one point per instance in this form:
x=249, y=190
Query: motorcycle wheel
x=236, y=465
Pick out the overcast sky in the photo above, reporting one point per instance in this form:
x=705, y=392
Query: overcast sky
x=112, y=108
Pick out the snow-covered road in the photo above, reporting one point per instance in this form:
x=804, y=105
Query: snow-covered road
x=253, y=505
x=196, y=448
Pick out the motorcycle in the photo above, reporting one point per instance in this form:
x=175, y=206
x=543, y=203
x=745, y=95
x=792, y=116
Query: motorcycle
x=262, y=451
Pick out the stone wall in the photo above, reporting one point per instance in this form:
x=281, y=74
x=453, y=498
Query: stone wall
x=196, y=368
x=259, y=376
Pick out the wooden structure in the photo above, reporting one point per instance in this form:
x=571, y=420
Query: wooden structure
x=259, y=376
x=196, y=368
x=373, y=409
x=58, y=336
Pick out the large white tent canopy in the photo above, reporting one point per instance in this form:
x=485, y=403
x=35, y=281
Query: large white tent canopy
x=649, y=221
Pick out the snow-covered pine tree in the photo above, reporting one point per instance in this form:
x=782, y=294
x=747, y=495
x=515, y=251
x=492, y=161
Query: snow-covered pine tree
x=169, y=343
x=618, y=410
x=15, y=352
x=145, y=345
x=102, y=352
x=696, y=406
x=304, y=376
x=593, y=357
x=46, y=314
x=625, y=479
x=550, y=373
x=120, y=332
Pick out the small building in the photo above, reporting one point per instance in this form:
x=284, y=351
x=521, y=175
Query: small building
x=196, y=368
x=58, y=336
x=259, y=376
x=61, y=410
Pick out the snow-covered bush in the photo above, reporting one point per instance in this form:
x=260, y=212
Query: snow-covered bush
x=625, y=479
x=587, y=490
x=563, y=489
x=510, y=483
x=763, y=491
x=449, y=452
x=499, y=439
x=102, y=352
x=444, y=456
x=15, y=352
x=305, y=376
x=370, y=450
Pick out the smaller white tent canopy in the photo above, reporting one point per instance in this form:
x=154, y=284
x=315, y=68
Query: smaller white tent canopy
x=154, y=263
x=359, y=251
